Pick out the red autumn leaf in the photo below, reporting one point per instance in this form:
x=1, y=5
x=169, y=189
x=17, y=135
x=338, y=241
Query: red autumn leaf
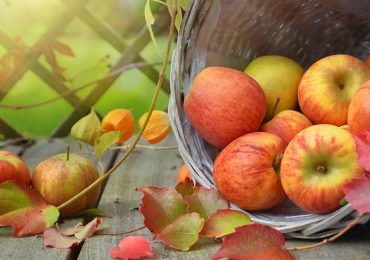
x=52, y=61
x=53, y=237
x=161, y=207
x=132, y=247
x=24, y=209
x=63, y=49
x=185, y=187
x=183, y=232
x=357, y=193
x=205, y=201
x=224, y=222
x=254, y=241
x=363, y=150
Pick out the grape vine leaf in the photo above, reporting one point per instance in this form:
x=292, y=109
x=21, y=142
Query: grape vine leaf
x=183, y=232
x=53, y=237
x=254, y=241
x=357, y=193
x=185, y=187
x=87, y=129
x=161, y=207
x=224, y=222
x=205, y=201
x=24, y=209
x=106, y=140
x=132, y=247
x=363, y=150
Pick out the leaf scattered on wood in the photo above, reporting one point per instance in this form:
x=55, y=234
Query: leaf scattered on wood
x=357, y=193
x=87, y=129
x=132, y=247
x=53, y=237
x=363, y=150
x=254, y=241
x=25, y=210
x=224, y=222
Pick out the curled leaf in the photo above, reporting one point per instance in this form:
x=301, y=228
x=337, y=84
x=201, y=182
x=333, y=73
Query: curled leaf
x=132, y=247
x=105, y=141
x=185, y=187
x=63, y=49
x=357, y=193
x=87, y=129
x=157, y=128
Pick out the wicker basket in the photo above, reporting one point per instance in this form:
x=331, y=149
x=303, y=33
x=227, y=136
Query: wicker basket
x=231, y=33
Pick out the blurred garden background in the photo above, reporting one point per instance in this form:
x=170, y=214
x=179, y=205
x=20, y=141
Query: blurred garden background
x=48, y=47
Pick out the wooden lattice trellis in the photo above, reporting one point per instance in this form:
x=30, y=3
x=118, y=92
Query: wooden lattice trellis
x=129, y=54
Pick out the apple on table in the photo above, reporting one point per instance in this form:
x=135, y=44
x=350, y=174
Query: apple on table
x=13, y=168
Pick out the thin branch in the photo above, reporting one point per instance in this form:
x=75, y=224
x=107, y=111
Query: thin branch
x=148, y=147
x=86, y=85
x=137, y=138
x=119, y=233
x=331, y=239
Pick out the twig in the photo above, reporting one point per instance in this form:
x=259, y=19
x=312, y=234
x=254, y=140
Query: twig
x=148, y=147
x=331, y=239
x=120, y=233
x=137, y=138
x=86, y=85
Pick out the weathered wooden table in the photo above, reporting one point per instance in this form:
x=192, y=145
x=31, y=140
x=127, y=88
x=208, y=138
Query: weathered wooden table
x=121, y=201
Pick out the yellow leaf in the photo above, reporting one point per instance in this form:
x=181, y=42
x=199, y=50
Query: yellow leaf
x=149, y=18
x=105, y=141
x=87, y=129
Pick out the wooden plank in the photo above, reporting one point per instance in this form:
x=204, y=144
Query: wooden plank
x=32, y=247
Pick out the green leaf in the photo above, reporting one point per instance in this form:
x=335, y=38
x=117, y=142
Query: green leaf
x=205, y=201
x=92, y=212
x=24, y=209
x=87, y=129
x=178, y=20
x=185, y=4
x=343, y=202
x=183, y=232
x=224, y=222
x=185, y=187
x=105, y=141
x=149, y=18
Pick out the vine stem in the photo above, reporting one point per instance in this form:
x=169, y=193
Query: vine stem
x=120, y=233
x=86, y=85
x=137, y=138
x=331, y=239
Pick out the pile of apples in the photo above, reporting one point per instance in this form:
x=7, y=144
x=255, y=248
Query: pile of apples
x=284, y=133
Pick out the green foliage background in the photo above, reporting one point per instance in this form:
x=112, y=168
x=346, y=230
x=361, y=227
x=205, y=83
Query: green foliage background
x=30, y=19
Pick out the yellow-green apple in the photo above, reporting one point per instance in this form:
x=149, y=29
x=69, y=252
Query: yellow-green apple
x=359, y=111
x=224, y=104
x=12, y=168
x=327, y=87
x=316, y=164
x=279, y=77
x=246, y=172
x=286, y=124
x=61, y=177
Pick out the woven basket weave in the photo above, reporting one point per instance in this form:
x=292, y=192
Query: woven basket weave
x=231, y=33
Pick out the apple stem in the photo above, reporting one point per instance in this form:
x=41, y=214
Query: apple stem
x=321, y=168
x=278, y=98
x=331, y=239
x=68, y=150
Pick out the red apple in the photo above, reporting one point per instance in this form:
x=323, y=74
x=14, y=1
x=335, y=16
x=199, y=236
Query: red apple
x=327, y=87
x=316, y=164
x=286, y=125
x=60, y=178
x=224, y=104
x=367, y=61
x=12, y=168
x=359, y=111
x=246, y=171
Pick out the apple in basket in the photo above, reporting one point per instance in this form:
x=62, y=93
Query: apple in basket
x=359, y=111
x=63, y=176
x=326, y=88
x=246, y=172
x=12, y=168
x=316, y=164
x=224, y=104
x=286, y=125
x=279, y=77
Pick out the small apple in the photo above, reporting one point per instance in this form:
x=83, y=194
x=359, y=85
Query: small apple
x=286, y=124
x=279, y=78
x=63, y=176
x=316, y=164
x=246, y=172
x=327, y=87
x=12, y=168
x=359, y=111
x=224, y=104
